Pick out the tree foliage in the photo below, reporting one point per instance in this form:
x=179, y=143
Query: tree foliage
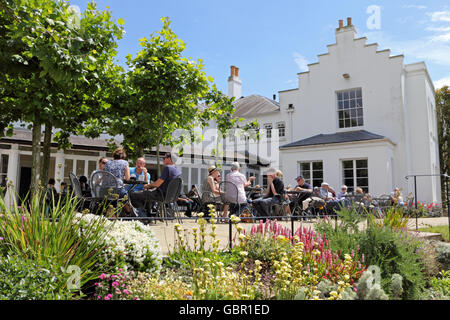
x=54, y=63
x=163, y=92
x=443, y=128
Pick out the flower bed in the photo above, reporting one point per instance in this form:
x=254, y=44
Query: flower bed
x=128, y=244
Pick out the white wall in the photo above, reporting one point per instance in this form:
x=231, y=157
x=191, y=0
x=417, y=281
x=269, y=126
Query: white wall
x=378, y=154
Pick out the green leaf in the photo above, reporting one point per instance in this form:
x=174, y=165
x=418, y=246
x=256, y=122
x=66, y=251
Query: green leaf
x=121, y=22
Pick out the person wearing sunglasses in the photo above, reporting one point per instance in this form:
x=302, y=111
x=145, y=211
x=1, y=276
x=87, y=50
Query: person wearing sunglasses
x=170, y=172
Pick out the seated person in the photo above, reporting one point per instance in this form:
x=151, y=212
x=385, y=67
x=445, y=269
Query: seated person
x=286, y=201
x=239, y=180
x=194, y=195
x=170, y=172
x=51, y=194
x=397, y=198
x=305, y=189
x=85, y=188
x=140, y=173
x=315, y=199
x=341, y=194
x=183, y=200
x=119, y=168
x=274, y=192
x=63, y=191
x=332, y=204
x=211, y=191
x=63, y=188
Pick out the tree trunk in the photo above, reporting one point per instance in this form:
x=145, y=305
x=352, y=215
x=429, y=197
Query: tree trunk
x=140, y=152
x=46, y=152
x=158, y=144
x=36, y=158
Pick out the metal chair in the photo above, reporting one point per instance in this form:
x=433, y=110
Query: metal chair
x=169, y=204
x=229, y=194
x=104, y=187
x=76, y=187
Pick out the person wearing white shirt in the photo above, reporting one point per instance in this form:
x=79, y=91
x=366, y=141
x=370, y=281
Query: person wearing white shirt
x=239, y=180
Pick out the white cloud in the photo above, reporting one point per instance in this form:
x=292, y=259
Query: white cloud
x=439, y=29
x=442, y=82
x=301, y=61
x=441, y=38
x=440, y=16
x=414, y=6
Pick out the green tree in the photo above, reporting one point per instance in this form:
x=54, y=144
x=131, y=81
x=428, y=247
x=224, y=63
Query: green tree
x=162, y=92
x=55, y=64
x=443, y=128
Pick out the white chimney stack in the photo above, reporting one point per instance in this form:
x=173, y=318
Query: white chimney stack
x=234, y=84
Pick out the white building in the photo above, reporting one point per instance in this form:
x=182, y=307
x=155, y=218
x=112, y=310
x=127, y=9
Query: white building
x=359, y=117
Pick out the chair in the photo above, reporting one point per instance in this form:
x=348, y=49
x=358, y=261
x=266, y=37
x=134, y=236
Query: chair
x=104, y=186
x=77, y=191
x=172, y=194
x=229, y=194
x=207, y=198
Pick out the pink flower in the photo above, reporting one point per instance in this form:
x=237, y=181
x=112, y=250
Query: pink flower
x=115, y=284
x=125, y=291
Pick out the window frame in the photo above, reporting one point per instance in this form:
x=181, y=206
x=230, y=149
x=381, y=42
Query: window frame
x=268, y=127
x=355, y=176
x=283, y=129
x=311, y=179
x=358, y=112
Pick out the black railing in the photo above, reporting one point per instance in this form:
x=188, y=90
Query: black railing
x=290, y=218
x=446, y=176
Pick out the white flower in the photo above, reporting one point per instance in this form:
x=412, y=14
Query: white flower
x=132, y=241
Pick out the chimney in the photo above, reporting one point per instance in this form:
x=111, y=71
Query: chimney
x=275, y=97
x=234, y=84
x=349, y=31
x=349, y=21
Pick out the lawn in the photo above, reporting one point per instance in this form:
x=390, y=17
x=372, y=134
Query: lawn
x=438, y=229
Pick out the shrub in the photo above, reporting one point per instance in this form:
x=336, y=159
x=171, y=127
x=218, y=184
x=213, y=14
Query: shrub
x=39, y=232
x=394, y=253
x=24, y=279
x=442, y=283
x=394, y=217
x=150, y=287
x=114, y=286
x=299, y=261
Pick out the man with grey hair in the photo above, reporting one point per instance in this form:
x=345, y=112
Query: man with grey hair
x=239, y=180
x=274, y=192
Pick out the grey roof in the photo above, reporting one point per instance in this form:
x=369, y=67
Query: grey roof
x=340, y=137
x=255, y=105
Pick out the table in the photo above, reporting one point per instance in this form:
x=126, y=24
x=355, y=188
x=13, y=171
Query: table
x=133, y=183
x=252, y=190
x=299, y=195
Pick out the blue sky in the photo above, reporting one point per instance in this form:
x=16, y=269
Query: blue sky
x=271, y=41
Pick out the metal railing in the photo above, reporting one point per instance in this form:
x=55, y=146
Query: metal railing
x=446, y=176
x=290, y=218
